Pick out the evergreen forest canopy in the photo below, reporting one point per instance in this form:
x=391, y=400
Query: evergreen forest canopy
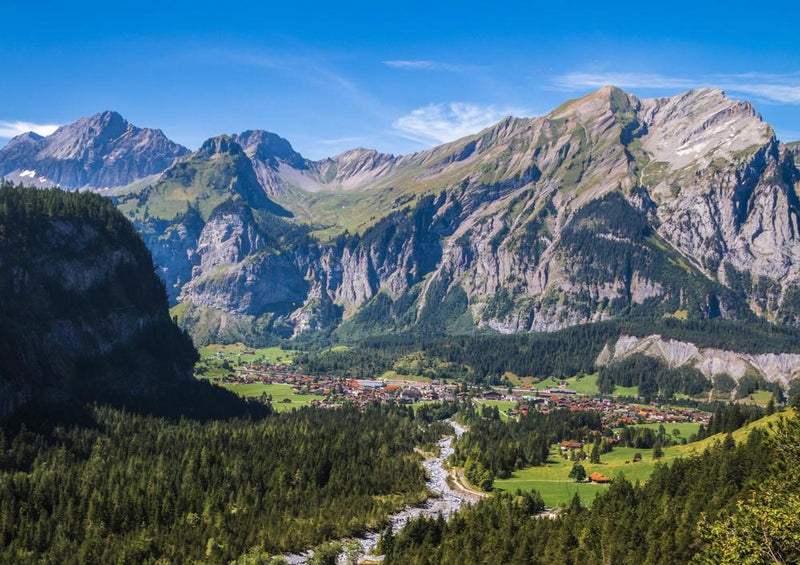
x=132, y=489
x=486, y=357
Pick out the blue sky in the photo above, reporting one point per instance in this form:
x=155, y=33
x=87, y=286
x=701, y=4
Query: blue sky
x=397, y=76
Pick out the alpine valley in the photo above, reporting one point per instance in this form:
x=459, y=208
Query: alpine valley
x=566, y=339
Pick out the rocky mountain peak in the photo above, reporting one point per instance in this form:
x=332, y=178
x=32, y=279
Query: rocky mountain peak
x=28, y=137
x=108, y=125
x=104, y=150
x=596, y=105
x=270, y=148
x=700, y=125
x=219, y=145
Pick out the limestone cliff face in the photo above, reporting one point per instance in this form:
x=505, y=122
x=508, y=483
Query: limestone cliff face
x=778, y=368
x=607, y=206
x=82, y=313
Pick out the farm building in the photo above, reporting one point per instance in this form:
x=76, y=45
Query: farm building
x=599, y=479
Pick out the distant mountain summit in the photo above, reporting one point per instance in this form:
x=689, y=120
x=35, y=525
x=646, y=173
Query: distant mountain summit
x=99, y=152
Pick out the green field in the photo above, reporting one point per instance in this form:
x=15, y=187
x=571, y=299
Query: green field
x=760, y=397
x=502, y=405
x=686, y=429
x=394, y=376
x=235, y=353
x=553, y=482
x=549, y=382
x=279, y=392
x=629, y=391
x=583, y=385
x=739, y=435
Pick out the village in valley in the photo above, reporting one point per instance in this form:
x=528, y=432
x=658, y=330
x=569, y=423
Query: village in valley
x=275, y=380
x=272, y=376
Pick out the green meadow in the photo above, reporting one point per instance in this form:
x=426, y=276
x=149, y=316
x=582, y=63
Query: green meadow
x=503, y=406
x=557, y=489
x=685, y=429
x=582, y=385
x=279, y=393
x=235, y=353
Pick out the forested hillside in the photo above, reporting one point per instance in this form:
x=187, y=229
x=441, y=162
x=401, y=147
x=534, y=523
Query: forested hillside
x=486, y=357
x=82, y=313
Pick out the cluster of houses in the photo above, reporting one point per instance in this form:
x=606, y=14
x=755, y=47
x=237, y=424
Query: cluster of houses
x=615, y=413
x=336, y=389
x=405, y=392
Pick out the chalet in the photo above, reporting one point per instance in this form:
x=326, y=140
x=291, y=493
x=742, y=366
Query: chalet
x=599, y=479
x=570, y=444
x=492, y=395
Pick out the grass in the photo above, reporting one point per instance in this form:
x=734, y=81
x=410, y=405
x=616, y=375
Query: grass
x=503, y=406
x=629, y=391
x=686, y=429
x=760, y=397
x=393, y=376
x=518, y=381
x=584, y=385
x=549, y=382
x=235, y=353
x=555, y=486
x=279, y=392
x=557, y=489
x=739, y=435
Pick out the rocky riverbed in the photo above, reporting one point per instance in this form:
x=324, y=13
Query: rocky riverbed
x=445, y=501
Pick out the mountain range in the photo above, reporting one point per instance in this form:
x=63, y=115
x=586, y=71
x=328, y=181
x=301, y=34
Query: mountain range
x=98, y=152
x=608, y=206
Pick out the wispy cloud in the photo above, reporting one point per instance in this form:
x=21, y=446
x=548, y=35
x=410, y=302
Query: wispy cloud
x=778, y=88
x=446, y=122
x=344, y=140
x=13, y=129
x=428, y=65
x=305, y=66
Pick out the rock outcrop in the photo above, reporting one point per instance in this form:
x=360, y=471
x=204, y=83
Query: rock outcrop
x=777, y=368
